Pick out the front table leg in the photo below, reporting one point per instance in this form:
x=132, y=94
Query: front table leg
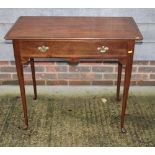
x=19, y=68
x=128, y=70
x=20, y=74
x=125, y=94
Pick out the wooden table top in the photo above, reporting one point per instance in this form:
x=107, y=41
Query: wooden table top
x=62, y=27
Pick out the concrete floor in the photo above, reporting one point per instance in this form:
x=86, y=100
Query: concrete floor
x=77, y=116
x=77, y=90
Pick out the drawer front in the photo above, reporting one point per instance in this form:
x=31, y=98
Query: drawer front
x=76, y=48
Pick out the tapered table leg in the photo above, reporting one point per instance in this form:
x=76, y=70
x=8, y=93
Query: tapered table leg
x=128, y=71
x=33, y=78
x=19, y=68
x=20, y=74
x=118, y=81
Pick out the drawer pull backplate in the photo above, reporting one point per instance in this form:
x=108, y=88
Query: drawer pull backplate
x=103, y=49
x=43, y=48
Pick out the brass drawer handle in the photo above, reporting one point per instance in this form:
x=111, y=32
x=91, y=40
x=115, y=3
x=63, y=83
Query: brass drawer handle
x=43, y=48
x=130, y=52
x=103, y=49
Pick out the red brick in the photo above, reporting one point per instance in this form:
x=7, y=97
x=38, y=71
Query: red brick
x=26, y=76
x=68, y=76
x=146, y=69
x=27, y=82
x=122, y=83
x=102, y=83
x=91, y=76
x=79, y=69
x=140, y=62
x=48, y=76
x=39, y=76
x=132, y=83
x=134, y=69
x=9, y=82
x=37, y=69
x=109, y=76
x=14, y=76
x=139, y=77
x=57, y=82
x=82, y=75
x=152, y=62
x=4, y=62
x=146, y=83
x=79, y=82
x=135, y=79
x=39, y=82
x=152, y=76
x=7, y=69
x=56, y=68
x=5, y=76
x=102, y=68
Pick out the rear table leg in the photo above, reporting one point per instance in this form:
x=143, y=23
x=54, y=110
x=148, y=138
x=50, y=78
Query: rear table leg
x=119, y=81
x=33, y=78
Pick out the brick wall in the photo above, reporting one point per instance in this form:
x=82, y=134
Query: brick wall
x=60, y=73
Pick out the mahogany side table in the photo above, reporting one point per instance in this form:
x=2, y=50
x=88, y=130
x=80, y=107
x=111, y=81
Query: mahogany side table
x=73, y=39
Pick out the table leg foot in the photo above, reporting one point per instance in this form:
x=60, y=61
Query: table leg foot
x=118, y=99
x=123, y=130
x=35, y=98
x=25, y=127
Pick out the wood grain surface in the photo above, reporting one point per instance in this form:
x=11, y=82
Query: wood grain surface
x=44, y=27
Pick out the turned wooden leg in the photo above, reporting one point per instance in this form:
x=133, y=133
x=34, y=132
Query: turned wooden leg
x=119, y=81
x=19, y=68
x=33, y=78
